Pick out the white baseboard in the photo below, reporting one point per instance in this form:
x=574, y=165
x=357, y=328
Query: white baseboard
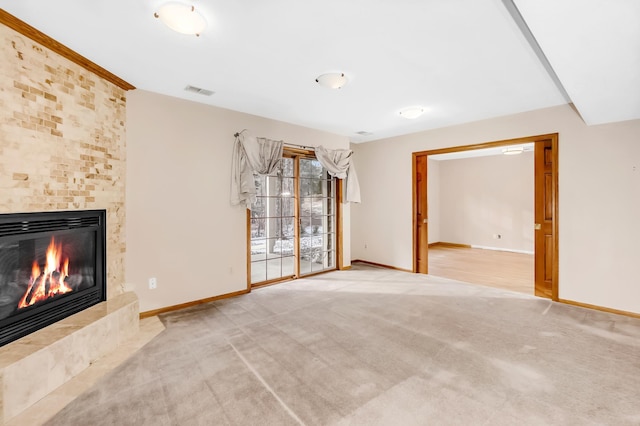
x=502, y=249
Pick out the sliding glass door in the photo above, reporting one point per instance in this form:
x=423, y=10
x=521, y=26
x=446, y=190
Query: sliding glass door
x=273, y=226
x=293, y=222
x=317, y=218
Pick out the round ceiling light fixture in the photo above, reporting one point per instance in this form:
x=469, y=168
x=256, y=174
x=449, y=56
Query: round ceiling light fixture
x=411, y=112
x=513, y=150
x=181, y=18
x=332, y=80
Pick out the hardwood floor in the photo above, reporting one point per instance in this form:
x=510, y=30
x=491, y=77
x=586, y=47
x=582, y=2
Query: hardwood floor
x=500, y=269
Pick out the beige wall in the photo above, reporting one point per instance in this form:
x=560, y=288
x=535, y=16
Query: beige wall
x=482, y=197
x=181, y=227
x=599, y=178
x=62, y=141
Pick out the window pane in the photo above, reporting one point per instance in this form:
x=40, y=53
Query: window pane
x=310, y=245
x=258, y=249
x=273, y=269
x=318, y=261
x=274, y=227
x=330, y=240
x=287, y=167
x=288, y=230
x=260, y=184
x=331, y=188
x=258, y=208
x=309, y=253
x=306, y=187
x=305, y=226
x=283, y=247
x=271, y=248
x=330, y=224
x=316, y=187
x=284, y=187
x=287, y=208
x=305, y=266
x=318, y=206
x=258, y=228
x=330, y=259
x=258, y=271
x=310, y=168
x=288, y=266
x=305, y=207
x=330, y=206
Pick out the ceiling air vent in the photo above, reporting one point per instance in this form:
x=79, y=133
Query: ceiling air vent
x=198, y=90
x=363, y=133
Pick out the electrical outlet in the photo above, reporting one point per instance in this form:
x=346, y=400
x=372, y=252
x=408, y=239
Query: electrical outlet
x=153, y=283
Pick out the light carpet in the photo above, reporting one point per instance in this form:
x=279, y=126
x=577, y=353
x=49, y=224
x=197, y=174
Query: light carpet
x=371, y=346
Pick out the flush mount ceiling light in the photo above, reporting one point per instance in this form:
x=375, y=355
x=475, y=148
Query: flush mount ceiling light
x=181, y=18
x=411, y=112
x=332, y=80
x=513, y=150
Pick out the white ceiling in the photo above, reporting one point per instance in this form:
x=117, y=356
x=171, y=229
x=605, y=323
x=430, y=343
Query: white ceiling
x=594, y=48
x=463, y=60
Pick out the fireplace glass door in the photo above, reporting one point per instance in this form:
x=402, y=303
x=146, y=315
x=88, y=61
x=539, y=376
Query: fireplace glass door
x=52, y=265
x=293, y=222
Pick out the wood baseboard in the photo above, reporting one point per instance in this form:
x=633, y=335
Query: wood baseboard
x=599, y=308
x=445, y=244
x=381, y=265
x=155, y=312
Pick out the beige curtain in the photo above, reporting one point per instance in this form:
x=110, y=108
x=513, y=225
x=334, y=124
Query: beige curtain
x=252, y=155
x=339, y=164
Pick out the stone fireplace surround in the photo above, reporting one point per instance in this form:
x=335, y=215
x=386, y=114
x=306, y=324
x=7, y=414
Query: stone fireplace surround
x=62, y=139
x=36, y=365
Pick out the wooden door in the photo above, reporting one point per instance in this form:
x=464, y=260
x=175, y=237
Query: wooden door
x=421, y=226
x=545, y=216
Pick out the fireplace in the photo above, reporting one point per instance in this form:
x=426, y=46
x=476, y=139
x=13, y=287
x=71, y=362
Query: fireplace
x=52, y=265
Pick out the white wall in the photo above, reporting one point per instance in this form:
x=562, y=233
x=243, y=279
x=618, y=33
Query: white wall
x=485, y=196
x=599, y=199
x=181, y=227
x=433, y=201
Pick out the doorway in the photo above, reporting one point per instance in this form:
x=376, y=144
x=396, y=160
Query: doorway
x=292, y=225
x=545, y=208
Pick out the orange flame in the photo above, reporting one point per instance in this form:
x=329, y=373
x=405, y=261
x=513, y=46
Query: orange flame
x=51, y=281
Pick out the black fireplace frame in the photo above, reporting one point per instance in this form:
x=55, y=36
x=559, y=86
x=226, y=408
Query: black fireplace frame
x=44, y=223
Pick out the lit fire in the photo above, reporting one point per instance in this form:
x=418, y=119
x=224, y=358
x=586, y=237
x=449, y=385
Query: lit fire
x=51, y=281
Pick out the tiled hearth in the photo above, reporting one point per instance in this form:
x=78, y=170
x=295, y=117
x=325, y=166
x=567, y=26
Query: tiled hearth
x=38, y=364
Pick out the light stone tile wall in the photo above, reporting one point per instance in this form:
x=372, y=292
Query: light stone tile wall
x=62, y=141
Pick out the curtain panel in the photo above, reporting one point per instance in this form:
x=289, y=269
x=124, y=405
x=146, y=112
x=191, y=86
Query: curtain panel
x=252, y=155
x=339, y=164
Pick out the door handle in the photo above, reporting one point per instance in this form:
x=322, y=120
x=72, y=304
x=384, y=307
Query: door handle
x=537, y=227
x=425, y=221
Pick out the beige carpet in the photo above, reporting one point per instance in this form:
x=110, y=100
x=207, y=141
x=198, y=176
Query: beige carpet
x=376, y=347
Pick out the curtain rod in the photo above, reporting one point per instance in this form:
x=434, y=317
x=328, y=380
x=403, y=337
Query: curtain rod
x=290, y=145
x=293, y=145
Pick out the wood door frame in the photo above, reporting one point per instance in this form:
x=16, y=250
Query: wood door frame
x=553, y=137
